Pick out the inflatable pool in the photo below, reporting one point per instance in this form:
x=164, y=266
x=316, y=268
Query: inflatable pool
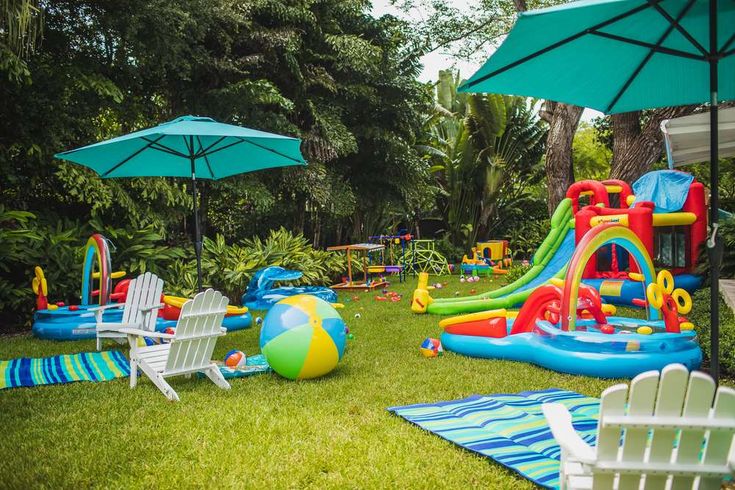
x=586, y=351
x=565, y=326
x=65, y=324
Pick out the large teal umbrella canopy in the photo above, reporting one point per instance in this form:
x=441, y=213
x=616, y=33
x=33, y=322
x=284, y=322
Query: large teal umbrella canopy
x=189, y=146
x=614, y=55
x=626, y=55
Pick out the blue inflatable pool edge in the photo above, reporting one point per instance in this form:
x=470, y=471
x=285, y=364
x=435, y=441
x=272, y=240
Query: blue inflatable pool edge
x=64, y=324
x=584, y=353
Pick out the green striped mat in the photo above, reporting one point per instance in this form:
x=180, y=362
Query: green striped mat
x=85, y=366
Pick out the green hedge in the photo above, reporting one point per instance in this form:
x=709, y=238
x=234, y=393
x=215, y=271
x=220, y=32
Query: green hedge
x=700, y=317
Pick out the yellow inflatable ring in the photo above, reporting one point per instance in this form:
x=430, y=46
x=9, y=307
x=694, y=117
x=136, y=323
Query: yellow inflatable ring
x=178, y=302
x=655, y=298
x=666, y=281
x=683, y=301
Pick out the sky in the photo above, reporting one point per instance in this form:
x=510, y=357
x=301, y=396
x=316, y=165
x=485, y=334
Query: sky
x=441, y=60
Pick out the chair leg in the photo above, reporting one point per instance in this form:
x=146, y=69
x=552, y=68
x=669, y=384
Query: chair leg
x=160, y=383
x=99, y=343
x=215, y=375
x=133, y=373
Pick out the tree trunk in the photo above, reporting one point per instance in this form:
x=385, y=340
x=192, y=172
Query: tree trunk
x=637, y=146
x=563, y=121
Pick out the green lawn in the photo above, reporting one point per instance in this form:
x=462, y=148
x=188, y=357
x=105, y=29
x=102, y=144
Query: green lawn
x=267, y=432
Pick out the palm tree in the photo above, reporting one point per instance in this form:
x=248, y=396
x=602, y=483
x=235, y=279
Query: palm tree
x=486, y=151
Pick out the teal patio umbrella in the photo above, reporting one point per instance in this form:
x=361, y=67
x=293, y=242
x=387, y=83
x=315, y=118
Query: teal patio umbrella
x=626, y=55
x=189, y=146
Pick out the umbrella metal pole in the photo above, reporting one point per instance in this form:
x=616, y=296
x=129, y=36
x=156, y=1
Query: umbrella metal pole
x=197, y=231
x=715, y=251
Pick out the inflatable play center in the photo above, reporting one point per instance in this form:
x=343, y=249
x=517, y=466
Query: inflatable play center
x=57, y=321
x=605, y=242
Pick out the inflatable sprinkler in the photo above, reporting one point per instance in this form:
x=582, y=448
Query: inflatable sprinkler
x=564, y=325
x=303, y=337
x=261, y=295
x=57, y=321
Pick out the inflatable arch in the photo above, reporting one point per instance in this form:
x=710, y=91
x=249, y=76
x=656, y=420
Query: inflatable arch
x=96, y=252
x=593, y=240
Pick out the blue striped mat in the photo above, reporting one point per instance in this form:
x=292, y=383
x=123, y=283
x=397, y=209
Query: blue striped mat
x=508, y=428
x=86, y=366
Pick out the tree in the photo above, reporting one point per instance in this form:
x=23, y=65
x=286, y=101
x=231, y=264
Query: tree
x=590, y=157
x=21, y=24
x=638, y=140
x=486, y=151
x=563, y=120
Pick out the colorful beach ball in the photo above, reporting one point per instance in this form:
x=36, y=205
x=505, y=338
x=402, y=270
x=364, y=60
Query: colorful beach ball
x=431, y=347
x=235, y=359
x=302, y=337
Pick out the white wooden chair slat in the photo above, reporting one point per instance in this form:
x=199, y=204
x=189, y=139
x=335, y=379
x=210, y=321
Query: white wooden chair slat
x=641, y=401
x=612, y=402
x=719, y=444
x=191, y=346
x=143, y=292
x=667, y=455
x=698, y=403
x=669, y=402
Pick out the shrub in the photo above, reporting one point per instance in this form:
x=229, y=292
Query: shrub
x=229, y=268
x=516, y=271
x=700, y=317
x=58, y=248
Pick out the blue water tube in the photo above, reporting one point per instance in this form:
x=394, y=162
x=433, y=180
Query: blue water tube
x=64, y=324
x=585, y=351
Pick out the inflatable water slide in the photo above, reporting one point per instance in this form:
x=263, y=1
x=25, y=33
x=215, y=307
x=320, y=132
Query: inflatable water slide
x=665, y=209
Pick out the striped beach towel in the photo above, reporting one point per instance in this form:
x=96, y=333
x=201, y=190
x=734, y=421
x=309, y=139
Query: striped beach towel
x=85, y=366
x=508, y=428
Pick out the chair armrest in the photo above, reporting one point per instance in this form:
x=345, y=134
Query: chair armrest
x=106, y=307
x=115, y=327
x=136, y=332
x=146, y=309
x=99, y=310
x=560, y=423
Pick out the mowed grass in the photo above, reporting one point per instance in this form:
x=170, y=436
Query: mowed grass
x=267, y=432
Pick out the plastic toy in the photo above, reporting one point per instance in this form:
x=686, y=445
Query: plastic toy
x=490, y=257
x=423, y=257
x=667, y=213
x=431, y=347
x=302, y=337
x=235, y=359
x=368, y=281
x=261, y=295
x=75, y=322
x=393, y=263
x=563, y=325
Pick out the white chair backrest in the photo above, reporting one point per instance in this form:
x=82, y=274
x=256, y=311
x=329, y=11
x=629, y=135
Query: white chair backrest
x=660, y=408
x=196, y=334
x=145, y=290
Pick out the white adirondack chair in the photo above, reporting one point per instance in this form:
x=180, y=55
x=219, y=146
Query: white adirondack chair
x=668, y=435
x=190, y=348
x=139, y=310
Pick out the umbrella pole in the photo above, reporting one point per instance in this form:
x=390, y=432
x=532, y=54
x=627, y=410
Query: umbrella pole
x=714, y=245
x=197, y=231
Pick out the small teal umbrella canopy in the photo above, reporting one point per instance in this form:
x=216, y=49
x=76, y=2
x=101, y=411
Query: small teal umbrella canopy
x=218, y=150
x=626, y=55
x=189, y=146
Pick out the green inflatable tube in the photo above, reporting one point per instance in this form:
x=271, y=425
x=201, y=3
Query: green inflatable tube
x=508, y=295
